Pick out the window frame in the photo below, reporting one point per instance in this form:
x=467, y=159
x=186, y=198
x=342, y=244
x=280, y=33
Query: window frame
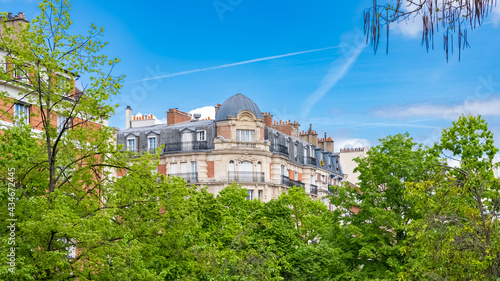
x=128, y=144
x=201, y=132
x=26, y=109
x=242, y=136
x=149, y=143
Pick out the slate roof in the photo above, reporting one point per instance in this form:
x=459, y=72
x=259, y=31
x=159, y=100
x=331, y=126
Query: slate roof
x=234, y=105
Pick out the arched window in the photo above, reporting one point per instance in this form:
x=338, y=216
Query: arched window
x=245, y=166
x=231, y=166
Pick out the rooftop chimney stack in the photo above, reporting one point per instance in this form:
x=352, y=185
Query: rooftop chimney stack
x=128, y=117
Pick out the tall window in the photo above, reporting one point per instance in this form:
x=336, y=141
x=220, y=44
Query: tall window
x=231, y=166
x=200, y=136
x=194, y=167
x=187, y=141
x=131, y=144
x=173, y=168
x=21, y=113
x=62, y=122
x=295, y=147
x=152, y=144
x=250, y=195
x=245, y=135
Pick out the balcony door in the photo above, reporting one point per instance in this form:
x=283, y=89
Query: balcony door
x=187, y=141
x=245, y=171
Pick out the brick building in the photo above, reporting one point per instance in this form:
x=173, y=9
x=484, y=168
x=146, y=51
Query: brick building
x=241, y=145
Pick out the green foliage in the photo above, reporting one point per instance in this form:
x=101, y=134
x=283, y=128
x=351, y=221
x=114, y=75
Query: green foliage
x=374, y=235
x=458, y=233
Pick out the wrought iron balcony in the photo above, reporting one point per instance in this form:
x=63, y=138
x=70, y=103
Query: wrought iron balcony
x=289, y=182
x=246, y=176
x=281, y=149
x=314, y=189
x=311, y=161
x=185, y=146
x=189, y=177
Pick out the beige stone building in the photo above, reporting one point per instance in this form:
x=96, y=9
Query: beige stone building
x=241, y=145
x=347, y=156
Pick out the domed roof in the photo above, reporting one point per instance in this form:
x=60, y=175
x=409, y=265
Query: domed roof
x=234, y=105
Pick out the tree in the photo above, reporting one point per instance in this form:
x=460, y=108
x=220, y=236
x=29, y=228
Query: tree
x=457, y=234
x=56, y=169
x=454, y=17
x=374, y=235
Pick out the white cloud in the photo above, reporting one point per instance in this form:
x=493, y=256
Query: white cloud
x=484, y=107
x=410, y=28
x=495, y=14
x=351, y=143
x=206, y=111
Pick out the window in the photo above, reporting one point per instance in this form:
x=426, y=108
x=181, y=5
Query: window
x=260, y=194
x=131, y=144
x=200, y=136
x=296, y=176
x=295, y=151
x=305, y=155
x=187, y=141
x=152, y=144
x=245, y=166
x=245, y=135
x=250, y=195
x=283, y=168
x=21, y=113
x=184, y=168
x=62, y=122
x=173, y=168
x=231, y=166
x=194, y=167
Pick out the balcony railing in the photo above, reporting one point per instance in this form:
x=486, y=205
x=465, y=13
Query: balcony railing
x=289, y=182
x=185, y=146
x=311, y=161
x=246, y=176
x=281, y=149
x=189, y=177
x=314, y=189
x=246, y=144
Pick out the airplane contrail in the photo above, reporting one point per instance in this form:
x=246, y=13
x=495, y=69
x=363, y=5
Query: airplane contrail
x=233, y=64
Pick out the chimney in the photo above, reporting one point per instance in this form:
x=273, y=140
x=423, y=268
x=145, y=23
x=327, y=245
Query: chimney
x=310, y=136
x=175, y=116
x=128, y=117
x=217, y=108
x=268, y=119
x=328, y=144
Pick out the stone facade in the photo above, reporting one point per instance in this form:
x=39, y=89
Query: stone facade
x=241, y=148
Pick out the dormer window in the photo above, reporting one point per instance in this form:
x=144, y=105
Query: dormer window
x=245, y=135
x=201, y=136
x=131, y=144
x=152, y=144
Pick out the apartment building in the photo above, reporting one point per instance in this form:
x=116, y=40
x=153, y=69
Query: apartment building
x=17, y=84
x=241, y=145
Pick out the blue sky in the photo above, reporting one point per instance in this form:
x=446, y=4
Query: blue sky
x=344, y=89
